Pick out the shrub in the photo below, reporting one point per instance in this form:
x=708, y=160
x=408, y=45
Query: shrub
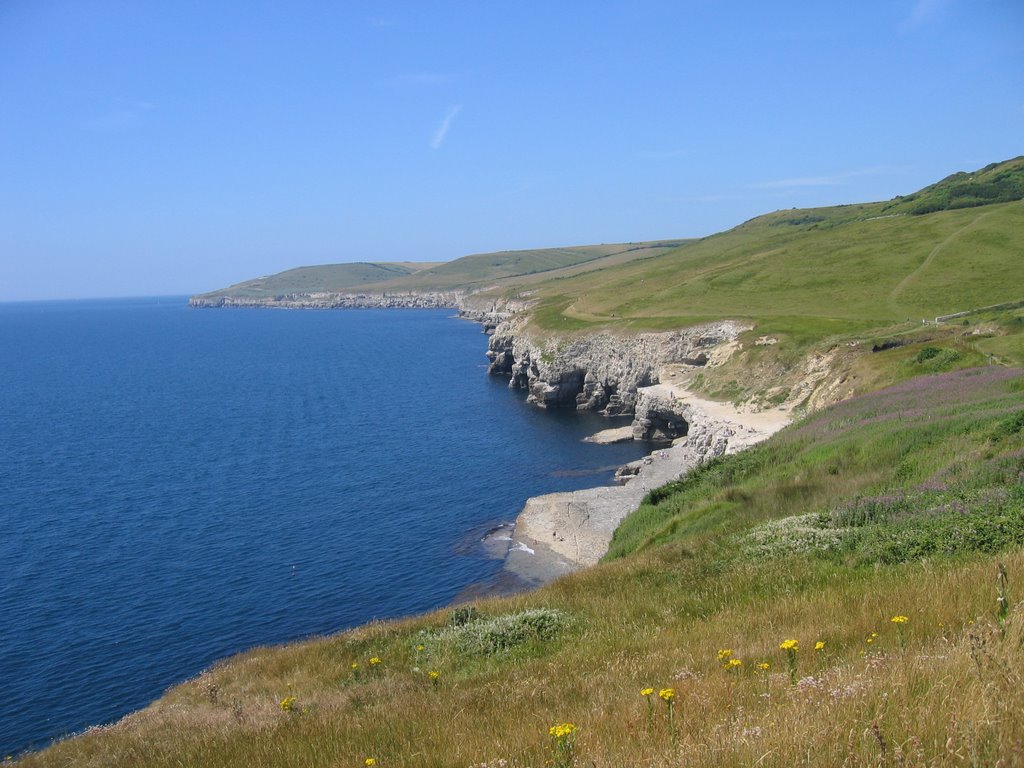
x=487, y=636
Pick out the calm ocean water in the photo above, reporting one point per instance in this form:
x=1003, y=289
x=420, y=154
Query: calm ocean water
x=177, y=485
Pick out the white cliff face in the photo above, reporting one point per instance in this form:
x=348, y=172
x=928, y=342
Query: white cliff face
x=602, y=371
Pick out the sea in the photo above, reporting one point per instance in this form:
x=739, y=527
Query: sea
x=178, y=485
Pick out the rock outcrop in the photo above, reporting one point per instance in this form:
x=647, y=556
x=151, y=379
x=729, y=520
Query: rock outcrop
x=602, y=371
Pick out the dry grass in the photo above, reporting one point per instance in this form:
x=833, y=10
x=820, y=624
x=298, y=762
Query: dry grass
x=950, y=694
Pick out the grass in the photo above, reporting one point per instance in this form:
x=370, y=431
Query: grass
x=682, y=584
x=821, y=280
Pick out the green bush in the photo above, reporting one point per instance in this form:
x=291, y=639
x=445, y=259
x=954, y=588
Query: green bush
x=488, y=636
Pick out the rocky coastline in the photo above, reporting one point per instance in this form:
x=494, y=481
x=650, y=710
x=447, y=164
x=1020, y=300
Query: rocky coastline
x=331, y=300
x=641, y=376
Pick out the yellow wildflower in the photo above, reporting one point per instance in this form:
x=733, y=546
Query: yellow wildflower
x=287, y=704
x=355, y=665
x=369, y=761
x=667, y=694
x=562, y=730
x=899, y=619
x=764, y=666
x=820, y=645
x=733, y=664
x=724, y=654
x=374, y=661
x=646, y=691
x=434, y=674
x=420, y=647
x=790, y=645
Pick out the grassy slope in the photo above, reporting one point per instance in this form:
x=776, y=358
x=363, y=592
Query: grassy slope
x=835, y=280
x=465, y=273
x=324, y=277
x=485, y=269
x=892, y=468
x=856, y=275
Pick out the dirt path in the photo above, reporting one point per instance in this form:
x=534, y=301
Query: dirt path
x=902, y=285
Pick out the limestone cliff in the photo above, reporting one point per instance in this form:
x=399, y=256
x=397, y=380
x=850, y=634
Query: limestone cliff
x=601, y=371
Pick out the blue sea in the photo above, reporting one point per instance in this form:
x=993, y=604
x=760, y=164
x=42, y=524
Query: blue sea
x=177, y=485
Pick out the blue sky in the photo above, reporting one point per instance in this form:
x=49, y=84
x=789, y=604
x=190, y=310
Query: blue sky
x=167, y=148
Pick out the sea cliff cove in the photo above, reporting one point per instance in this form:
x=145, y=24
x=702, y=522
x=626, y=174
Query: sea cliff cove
x=496, y=385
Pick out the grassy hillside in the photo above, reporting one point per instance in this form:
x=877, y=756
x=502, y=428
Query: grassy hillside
x=325, y=277
x=829, y=282
x=898, y=504
x=486, y=269
x=854, y=275
x=466, y=273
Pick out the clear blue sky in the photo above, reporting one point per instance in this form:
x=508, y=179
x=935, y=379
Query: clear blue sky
x=167, y=148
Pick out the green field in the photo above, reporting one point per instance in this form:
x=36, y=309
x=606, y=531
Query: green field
x=858, y=274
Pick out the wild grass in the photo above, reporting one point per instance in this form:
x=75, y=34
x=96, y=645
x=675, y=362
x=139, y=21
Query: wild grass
x=494, y=684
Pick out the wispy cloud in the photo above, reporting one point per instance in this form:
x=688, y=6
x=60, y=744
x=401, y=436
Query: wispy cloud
x=822, y=181
x=442, y=130
x=121, y=115
x=923, y=12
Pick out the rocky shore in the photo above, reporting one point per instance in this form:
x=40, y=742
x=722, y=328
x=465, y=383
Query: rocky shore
x=558, y=533
x=639, y=375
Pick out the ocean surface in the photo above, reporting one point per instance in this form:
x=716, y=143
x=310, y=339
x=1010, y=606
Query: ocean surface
x=178, y=485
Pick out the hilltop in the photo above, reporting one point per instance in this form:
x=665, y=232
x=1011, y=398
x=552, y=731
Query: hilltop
x=463, y=275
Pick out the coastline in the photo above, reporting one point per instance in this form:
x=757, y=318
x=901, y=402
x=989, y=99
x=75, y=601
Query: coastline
x=559, y=533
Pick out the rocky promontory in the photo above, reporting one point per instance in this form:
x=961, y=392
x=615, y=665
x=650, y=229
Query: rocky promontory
x=333, y=300
x=601, y=371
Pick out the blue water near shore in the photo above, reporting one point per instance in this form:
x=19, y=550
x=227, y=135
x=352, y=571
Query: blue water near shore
x=177, y=485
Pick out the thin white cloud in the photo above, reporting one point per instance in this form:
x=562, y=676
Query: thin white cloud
x=923, y=12
x=121, y=116
x=442, y=130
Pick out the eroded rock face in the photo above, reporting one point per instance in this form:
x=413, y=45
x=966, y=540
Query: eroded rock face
x=601, y=371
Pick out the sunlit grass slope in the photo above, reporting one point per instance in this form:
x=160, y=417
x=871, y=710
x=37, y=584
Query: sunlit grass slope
x=851, y=276
x=485, y=269
x=831, y=283
x=900, y=504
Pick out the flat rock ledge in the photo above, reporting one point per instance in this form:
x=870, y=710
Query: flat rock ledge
x=609, y=436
